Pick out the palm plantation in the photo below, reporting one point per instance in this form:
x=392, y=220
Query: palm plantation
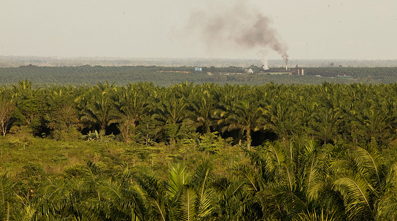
x=269, y=152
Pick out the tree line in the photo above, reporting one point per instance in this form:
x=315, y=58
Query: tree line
x=168, y=76
x=374, y=72
x=145, y=113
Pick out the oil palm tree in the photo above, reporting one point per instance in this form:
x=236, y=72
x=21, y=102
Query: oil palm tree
x=246, y=116
x=171, y=112
x=365, y=181
x=61, y=115
x=287, y=180
x=96, y=106
x=203, y=107
x=133, y=102
x=183, y=196
x=281, y=117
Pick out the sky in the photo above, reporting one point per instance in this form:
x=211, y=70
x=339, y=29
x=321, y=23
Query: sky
x=304, y=29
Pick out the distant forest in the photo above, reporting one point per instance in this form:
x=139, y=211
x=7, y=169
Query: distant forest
x=16, y=61
x=167, y=76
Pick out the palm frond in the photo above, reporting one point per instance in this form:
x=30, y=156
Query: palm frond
x=313, y=216
x=188, y=199
x=355, y=195
x=176, y=180
x=204, y=203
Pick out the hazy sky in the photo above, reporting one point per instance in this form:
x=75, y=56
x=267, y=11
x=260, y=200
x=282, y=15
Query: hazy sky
x=323, y=29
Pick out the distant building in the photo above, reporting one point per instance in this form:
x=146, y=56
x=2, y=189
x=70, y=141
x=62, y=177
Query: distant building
x=345, y=76
x=301, y=71
x=198, y=69
x=250, y=71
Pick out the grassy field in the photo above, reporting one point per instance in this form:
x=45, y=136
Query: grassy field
x=23, y=152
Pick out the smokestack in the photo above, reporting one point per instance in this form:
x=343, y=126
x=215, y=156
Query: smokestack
x=285, y=57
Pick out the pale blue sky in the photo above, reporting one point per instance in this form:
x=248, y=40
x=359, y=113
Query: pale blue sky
x=313, y=29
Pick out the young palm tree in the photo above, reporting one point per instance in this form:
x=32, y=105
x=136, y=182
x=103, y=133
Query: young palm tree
x=182, y=196
x=287, y=180
x=10, y=204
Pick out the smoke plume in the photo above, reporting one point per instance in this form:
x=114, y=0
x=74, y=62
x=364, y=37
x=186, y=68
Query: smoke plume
x=263, y=54
x=237, y=28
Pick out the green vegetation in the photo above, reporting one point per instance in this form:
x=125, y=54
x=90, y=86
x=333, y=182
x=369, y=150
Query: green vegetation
x=198, y=152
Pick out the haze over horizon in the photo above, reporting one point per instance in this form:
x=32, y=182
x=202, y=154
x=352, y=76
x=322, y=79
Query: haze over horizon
x=305, y=29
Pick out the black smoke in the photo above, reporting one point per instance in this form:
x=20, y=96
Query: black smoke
x=238, y=27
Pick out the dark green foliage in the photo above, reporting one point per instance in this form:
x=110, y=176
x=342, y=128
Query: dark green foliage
x=168, y=76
